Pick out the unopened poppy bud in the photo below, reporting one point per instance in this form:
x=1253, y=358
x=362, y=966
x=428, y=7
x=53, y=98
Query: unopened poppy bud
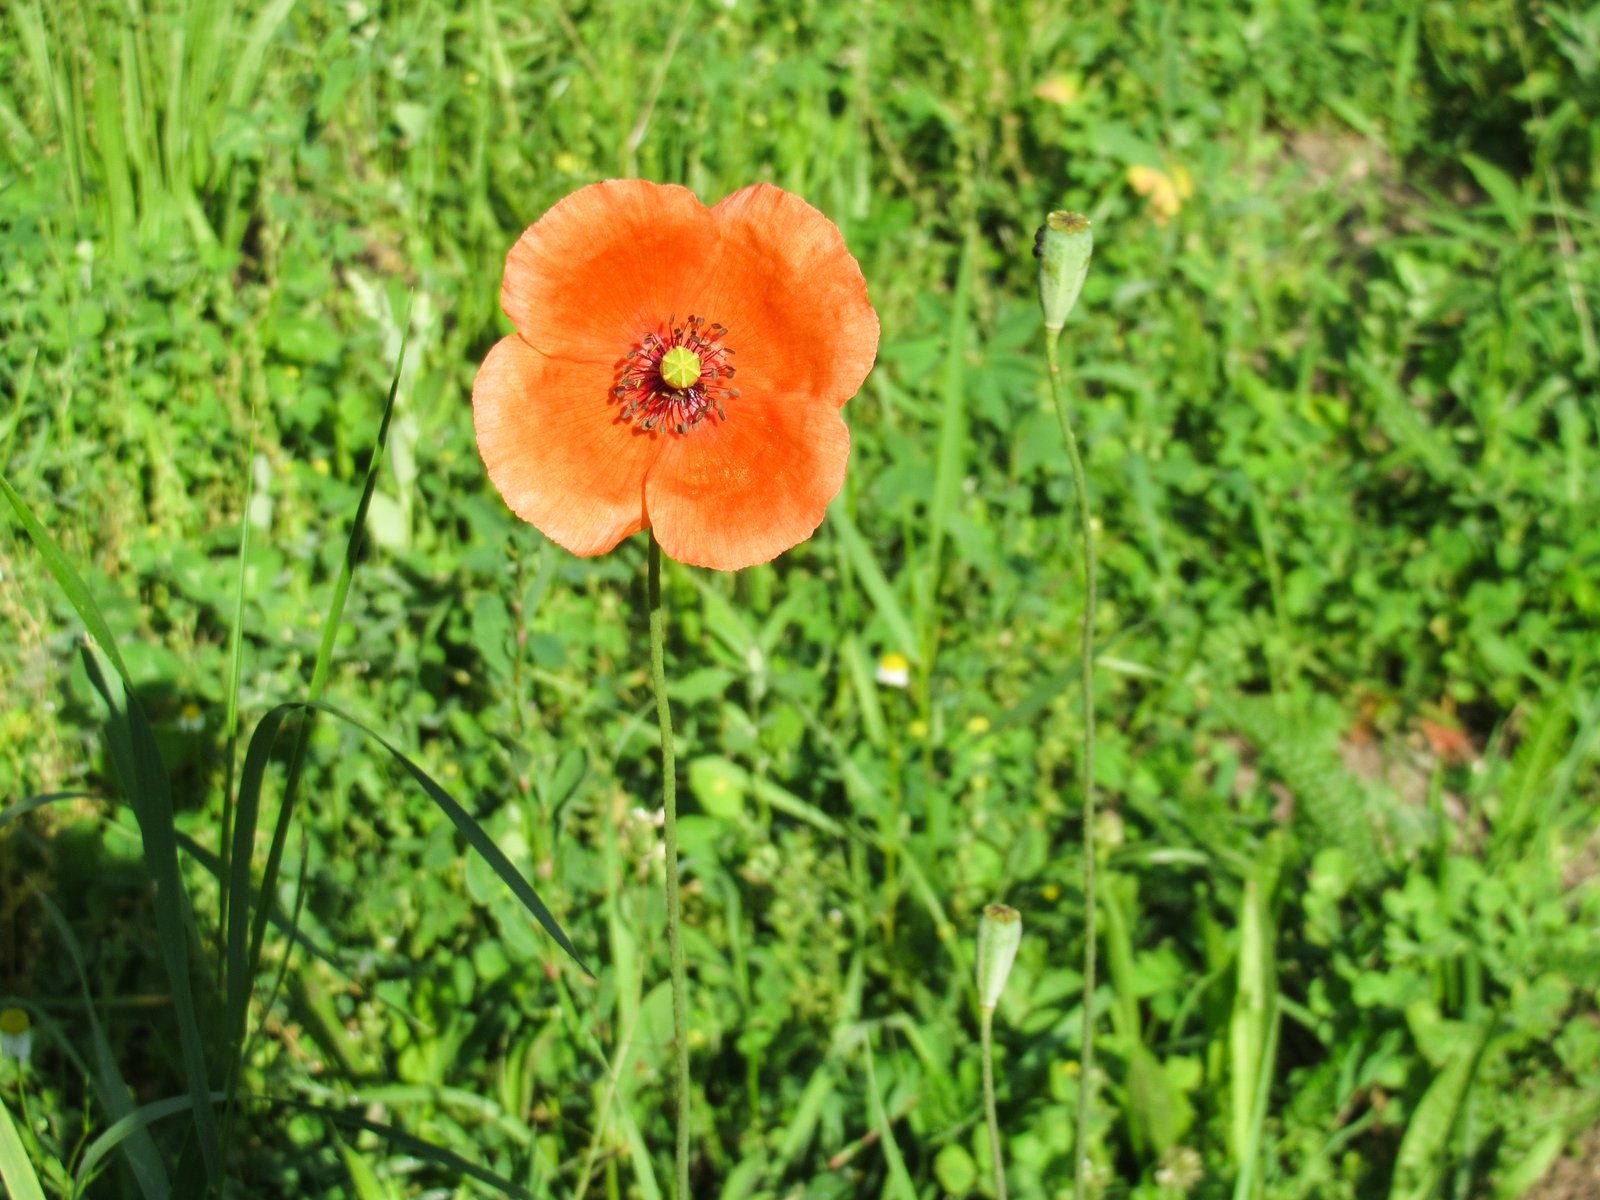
x=1062, y=246
x=999, y=935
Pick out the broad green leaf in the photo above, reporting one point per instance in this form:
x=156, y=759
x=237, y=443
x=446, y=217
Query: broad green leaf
x=15, y=1170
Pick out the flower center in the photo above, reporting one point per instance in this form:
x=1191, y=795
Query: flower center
x=674, y=381
x=680, y=368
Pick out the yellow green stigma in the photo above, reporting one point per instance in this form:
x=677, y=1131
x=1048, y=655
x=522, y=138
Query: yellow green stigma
x=680, y=368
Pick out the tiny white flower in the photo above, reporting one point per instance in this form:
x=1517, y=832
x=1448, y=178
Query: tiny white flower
x=894, y=670
x=16, y=1037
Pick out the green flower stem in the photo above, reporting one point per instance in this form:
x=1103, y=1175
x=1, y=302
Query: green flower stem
x=986, y=1031
x=1081, y=486
x=669, y=803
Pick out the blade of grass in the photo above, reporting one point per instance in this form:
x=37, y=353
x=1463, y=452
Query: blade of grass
x=214, y=867
x=23, y=807
x=133, y=748
x=125, y=1127
x=324, y=661
x=292, y=933
x=1251, y=1022
x=259, y=753
x=950, y=457
x=230, y=723
x=874, y=582
x=1424, y=1150
x=363, y=1179
x=158, y=1110
x=115, y=1096
x=242, y=965
x=68, y=579
x=900, y=1183
x=1244, y=1185
x=830, y=1072
x=613, y=1076
x=426, y=1096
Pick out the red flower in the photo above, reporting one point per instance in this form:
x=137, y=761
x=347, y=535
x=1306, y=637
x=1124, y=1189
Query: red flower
x=677, y=368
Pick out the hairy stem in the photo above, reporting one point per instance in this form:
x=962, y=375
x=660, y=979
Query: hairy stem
x=987, y=1034
x=669, y=804
x=1081, y=487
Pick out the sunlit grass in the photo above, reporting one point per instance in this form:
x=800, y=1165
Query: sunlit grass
x=1337, y=403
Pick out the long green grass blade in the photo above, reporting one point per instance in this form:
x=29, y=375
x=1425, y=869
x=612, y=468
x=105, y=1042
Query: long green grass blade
x=358, y=525
x=159, y=1110
x=68, y=579
x=1244, y=1186
x=900, y=1185
x=950, y=457
x=243, y=948
x=140, y=1149
x=125, y=1127
x=132, y=745
x=1419, y=1167
x=1255, y=1000
x=415, y=1146
x=363, y=1179
x=319, y=671
x=33, y=803
x=214, y=867
x=240, y=963
x=257, y=757
x=230, y=721
x=876, y=584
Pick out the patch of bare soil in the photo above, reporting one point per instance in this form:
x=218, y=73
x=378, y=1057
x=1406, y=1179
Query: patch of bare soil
x=1574, y=1176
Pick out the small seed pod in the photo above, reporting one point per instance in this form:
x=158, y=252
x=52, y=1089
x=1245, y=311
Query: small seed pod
x=999, y=935
x=1062, y=246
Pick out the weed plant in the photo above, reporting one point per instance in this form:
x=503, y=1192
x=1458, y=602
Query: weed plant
x=1335, y=372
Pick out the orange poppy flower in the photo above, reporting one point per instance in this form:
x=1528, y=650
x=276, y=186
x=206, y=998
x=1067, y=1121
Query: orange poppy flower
x=677, y=368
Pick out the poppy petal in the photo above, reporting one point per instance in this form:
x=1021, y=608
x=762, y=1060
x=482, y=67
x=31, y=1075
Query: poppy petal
x=605, y=265
x=792, y=296
x=742, y=491
x=556, y=450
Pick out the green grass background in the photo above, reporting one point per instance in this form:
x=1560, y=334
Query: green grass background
x=1343, y=436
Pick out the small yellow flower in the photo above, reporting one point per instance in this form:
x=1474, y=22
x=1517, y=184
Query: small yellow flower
x=568, y=163
x=978, y=726
x=894, y=670
x=1059, y=89
x=918, y=729
x=1166, y=191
